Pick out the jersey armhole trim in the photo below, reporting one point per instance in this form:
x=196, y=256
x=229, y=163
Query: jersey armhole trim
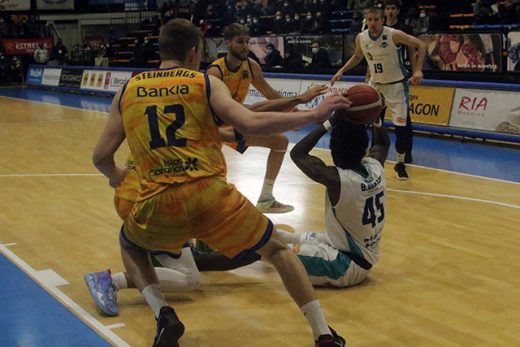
x=216, y=119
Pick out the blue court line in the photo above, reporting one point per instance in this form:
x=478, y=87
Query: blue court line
x=32, y=317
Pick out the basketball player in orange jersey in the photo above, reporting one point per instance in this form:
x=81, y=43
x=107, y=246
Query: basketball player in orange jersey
x=380, y=46
x=170, y=118
x=175, y=273
x=238, y=72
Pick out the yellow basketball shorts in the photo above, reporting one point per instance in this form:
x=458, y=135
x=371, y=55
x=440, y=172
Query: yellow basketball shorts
x=210, y=210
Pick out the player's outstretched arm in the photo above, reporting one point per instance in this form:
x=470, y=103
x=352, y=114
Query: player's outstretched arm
x=351, y=63
x=380, y=143
x=400, y=37
x=110, y=140
x=287, y=104
x=312, y=166
x=260, y=83
x=250, y=123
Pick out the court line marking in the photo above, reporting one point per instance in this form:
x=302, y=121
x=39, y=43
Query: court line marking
x=444, y=170
x=458, y=197
x=48, y=175
x=52, y=104
x=64, y=299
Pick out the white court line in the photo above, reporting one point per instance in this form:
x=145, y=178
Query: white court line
x=444, y=170
x=64, y=299
x=47, y=175
x=458, y=197
x=50, y=103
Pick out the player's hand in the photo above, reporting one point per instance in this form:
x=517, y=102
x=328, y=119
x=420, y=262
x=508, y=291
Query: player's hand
x=330, y=104
x=416, y=78
x=336, y=77
x=117, y=177
x=313, y=92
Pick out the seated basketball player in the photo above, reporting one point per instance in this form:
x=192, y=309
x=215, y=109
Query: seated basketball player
x=354, y=203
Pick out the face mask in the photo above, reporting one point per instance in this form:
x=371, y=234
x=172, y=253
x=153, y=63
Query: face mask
x=278, y=17
x=296, y=18
x=318, y=15
x=249, y=20
x=422, y=15
x=255, y=21
x=242, y=21
x=309, y=17
x=287, y=20
x=315, y=50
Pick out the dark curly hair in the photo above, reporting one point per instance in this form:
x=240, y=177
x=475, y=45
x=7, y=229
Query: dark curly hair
x=348, y=144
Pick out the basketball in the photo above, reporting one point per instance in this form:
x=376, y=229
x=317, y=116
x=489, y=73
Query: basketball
x=366, y=105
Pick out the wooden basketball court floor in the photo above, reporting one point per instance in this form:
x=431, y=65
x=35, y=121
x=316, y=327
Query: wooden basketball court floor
x=449, y=274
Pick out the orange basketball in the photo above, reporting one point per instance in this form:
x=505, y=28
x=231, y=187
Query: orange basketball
x=367, y=105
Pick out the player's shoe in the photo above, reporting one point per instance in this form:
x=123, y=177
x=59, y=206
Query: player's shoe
x=400, y=170
x=169, y=328
x=103, y=292
x=333, y=340
x=273, y=206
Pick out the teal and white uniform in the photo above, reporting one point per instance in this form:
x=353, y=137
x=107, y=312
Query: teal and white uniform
x=343, y=255
x=387, y=71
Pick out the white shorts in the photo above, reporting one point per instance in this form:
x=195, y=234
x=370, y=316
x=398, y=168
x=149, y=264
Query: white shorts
x=396, y=100
x=326, y=265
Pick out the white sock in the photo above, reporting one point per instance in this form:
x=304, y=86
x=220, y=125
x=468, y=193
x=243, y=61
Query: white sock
x=400, y=157
x=312, y=311
x=267, y=190
x=154, y=298
x=119, y=281
x=178, y=274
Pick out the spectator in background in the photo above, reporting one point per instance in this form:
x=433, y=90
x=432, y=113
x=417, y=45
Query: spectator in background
x=41, y=54
x=15, y=71
x=4, y=68
x=483, y=12
x=509, y=12
x=412, y=19
x=139, y=56
x=310, y=26
x=288, y=25
x=60, y=53
x=357, y=22
x=293, y=61
x=423, y=23
x=273, y=57
x=322, y=22
x=256, y=28
x=298, y=24
x=320, y=57
x=278, y=24
x=358, y=5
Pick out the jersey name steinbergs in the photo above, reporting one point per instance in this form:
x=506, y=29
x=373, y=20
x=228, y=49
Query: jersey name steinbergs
x=383, y=57
x=171, y=130
x=355, y=223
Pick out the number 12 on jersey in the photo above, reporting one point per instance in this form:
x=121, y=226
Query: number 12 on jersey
x=374, y=211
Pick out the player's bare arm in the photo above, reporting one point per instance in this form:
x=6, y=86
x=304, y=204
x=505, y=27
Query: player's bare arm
x=400, y=37
x=214, y=71
x=110, y=140
x=380, y=144
x=351, y=63
x=287, y=104
x=314, y=167
x=251, y=123
x=260, y=83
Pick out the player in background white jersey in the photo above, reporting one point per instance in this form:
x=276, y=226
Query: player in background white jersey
x=379, y=46
x=354, y=203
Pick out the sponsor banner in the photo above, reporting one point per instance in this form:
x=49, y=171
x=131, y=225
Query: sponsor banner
x=490, y=110
x=339, y=87
x=25, y=46
x=430, y=105
x=15, y=5
x=258, y=45
x=35, y=75
x=51, y=77
x=286, y=88
x=71, y=78
x=55, y=4
x=463, y=52
x=116, y=79
x=513, y=51
x=95, y=80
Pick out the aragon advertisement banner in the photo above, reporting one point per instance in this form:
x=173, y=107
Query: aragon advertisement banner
x=497, y=111
x=430, y=105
